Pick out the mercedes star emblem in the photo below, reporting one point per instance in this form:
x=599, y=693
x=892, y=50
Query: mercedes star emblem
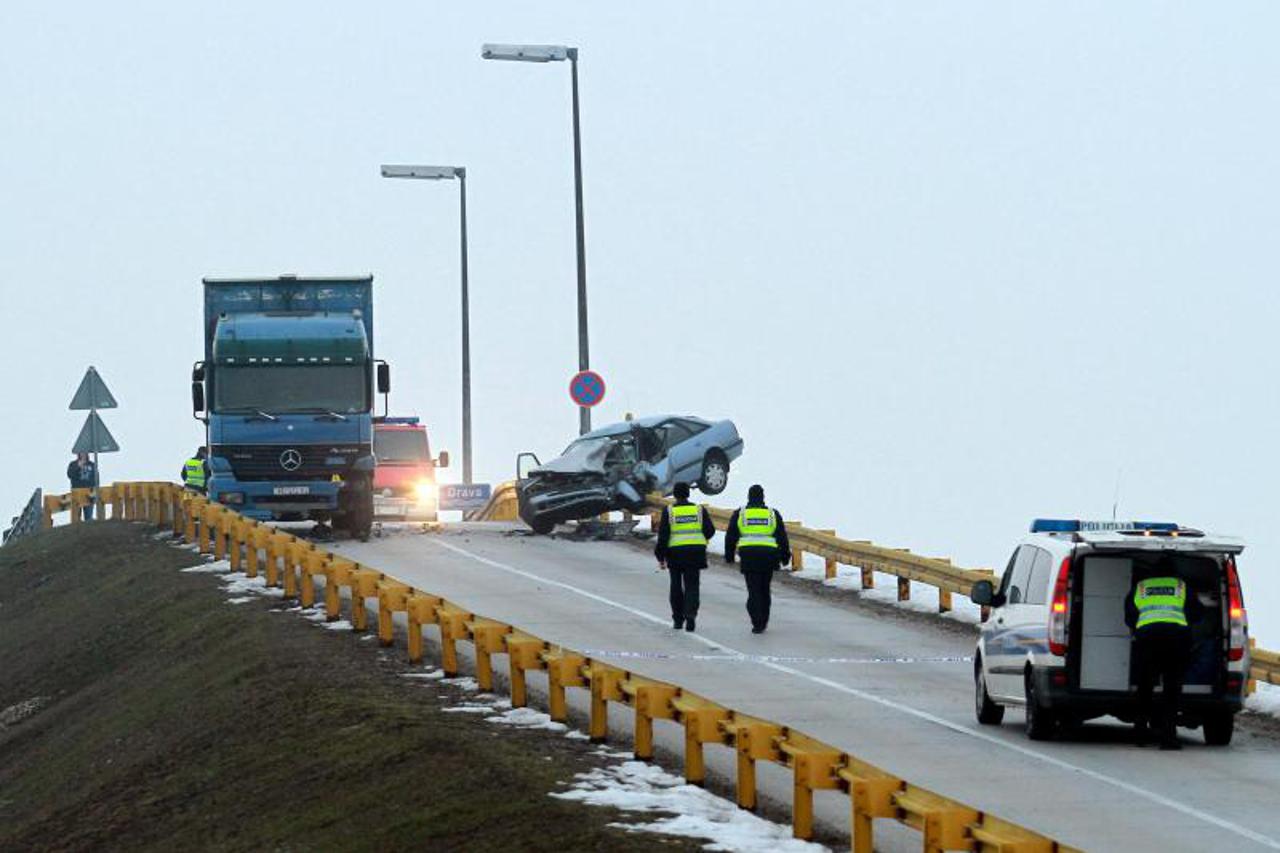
x=291, y=460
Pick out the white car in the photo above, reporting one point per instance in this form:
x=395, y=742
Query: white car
x=1056, y=641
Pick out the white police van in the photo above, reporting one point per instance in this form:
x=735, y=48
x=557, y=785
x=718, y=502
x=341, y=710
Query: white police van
x=1056, y=640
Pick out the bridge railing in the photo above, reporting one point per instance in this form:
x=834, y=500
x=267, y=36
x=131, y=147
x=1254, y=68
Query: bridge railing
x=298, y=566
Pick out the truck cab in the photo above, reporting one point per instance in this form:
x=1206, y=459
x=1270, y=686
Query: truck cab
x=286, y=389
x=404, y=481
x=1057, y=642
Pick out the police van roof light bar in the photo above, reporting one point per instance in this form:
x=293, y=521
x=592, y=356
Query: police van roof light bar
x=1065, y=525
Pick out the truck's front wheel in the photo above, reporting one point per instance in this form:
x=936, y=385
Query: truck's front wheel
x=358, y=509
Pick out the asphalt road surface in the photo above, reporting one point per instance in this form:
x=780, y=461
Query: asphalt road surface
x=896, y=692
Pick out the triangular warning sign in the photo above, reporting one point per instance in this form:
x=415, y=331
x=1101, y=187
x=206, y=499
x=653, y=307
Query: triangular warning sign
x=92, y=393
x=94, y=437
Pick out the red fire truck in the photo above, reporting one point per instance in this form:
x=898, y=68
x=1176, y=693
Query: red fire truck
x=404, y=482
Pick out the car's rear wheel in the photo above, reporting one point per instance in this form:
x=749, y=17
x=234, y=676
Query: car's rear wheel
x=1219, y=726
x=715, y=474
x=1041, y=722
x=988, y=712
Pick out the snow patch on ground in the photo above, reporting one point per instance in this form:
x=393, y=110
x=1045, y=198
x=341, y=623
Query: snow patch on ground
x=217, y=567
x=469, y=708
x=634, y=786
x=574, y=734
x=238, y=583
x=430, y=675
x=240, y=600
x=527, y=718
x=340, y=625
x=464, y=683
x=1266, y=700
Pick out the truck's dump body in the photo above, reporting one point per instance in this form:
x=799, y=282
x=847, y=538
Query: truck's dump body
x=338, y=295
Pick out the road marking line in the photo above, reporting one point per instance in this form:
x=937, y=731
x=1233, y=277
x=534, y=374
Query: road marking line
x=1160, y=799
x=749, y=658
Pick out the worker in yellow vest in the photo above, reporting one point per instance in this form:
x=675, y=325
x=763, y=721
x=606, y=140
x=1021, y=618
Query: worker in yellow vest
x=195, y=471
x=1160, y=610
x=758, y=537
x=683, y=534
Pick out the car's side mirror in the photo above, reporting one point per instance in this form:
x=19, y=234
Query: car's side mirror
x=983, y=594
x=197, y=397
x=197, y=372
x=442, y=461
x=384, y=378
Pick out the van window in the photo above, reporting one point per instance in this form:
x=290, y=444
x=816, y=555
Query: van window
x=1018, y=574
x=1037, y=591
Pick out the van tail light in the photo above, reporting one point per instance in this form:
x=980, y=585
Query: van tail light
x=1060, y=609
x=1239, y=618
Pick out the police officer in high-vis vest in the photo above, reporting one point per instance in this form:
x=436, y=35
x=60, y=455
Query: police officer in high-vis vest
x=759, y=538
x=195, y=472
x=1159, y=611
x=683, y=534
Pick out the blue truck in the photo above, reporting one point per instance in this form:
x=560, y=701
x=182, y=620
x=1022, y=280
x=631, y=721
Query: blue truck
x=286, y=392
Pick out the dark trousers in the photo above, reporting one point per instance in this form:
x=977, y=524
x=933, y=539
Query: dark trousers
x=684, y=592
x=758, y=597
x=1161, y=651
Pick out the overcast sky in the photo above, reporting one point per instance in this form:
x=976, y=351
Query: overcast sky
x=949, y=266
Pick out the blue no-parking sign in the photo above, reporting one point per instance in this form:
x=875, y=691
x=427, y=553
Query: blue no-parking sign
x=464, y=497
x=586, y=388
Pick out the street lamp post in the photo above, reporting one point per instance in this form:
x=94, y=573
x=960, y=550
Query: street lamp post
x=444, y=173
x=559, y=53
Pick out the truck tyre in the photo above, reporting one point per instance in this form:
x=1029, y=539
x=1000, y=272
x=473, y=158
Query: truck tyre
x=1040, y=721
x=715, y=473
x=359, y=511
x=988, y=712
x=1219, y=726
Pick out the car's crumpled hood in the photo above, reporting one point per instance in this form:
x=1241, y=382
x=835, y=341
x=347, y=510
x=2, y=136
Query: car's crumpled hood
x=578, y=460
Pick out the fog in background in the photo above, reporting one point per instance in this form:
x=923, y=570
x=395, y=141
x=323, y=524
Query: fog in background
x=948, y=266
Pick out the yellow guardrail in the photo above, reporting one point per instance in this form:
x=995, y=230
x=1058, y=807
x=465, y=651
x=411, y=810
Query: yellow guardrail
x=865, y=556
x=295, y=565
x=503, y=504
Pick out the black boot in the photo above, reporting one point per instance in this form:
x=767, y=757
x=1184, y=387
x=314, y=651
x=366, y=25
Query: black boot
x=688, y=624
x=677, y=622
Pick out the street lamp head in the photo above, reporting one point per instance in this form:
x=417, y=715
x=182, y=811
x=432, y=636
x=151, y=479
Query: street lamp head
x=528, y=52
x=426, y=173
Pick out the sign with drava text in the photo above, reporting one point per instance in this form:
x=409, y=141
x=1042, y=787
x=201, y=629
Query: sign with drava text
x=458, y=496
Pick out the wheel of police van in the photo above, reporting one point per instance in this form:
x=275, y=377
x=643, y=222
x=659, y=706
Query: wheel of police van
x=1041, y=722
x=715, y=473
x=988, y=712
x=1219, y=726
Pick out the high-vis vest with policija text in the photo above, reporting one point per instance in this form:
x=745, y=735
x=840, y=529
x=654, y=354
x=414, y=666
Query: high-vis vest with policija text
x=686, y=526
x=1161, y=601
x=757, y=526
x=195, y=473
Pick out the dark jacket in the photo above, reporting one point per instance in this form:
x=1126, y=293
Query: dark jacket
x=686, y=556
x=1194, y=609
x=82, y=478
x=757, y=559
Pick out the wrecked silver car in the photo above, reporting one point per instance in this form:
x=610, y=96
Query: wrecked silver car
x=616, y=466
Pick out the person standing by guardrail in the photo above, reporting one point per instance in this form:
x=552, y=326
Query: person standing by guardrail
x=683, y=534
x=758, y=536
x=195, y=471
x=83, y=474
